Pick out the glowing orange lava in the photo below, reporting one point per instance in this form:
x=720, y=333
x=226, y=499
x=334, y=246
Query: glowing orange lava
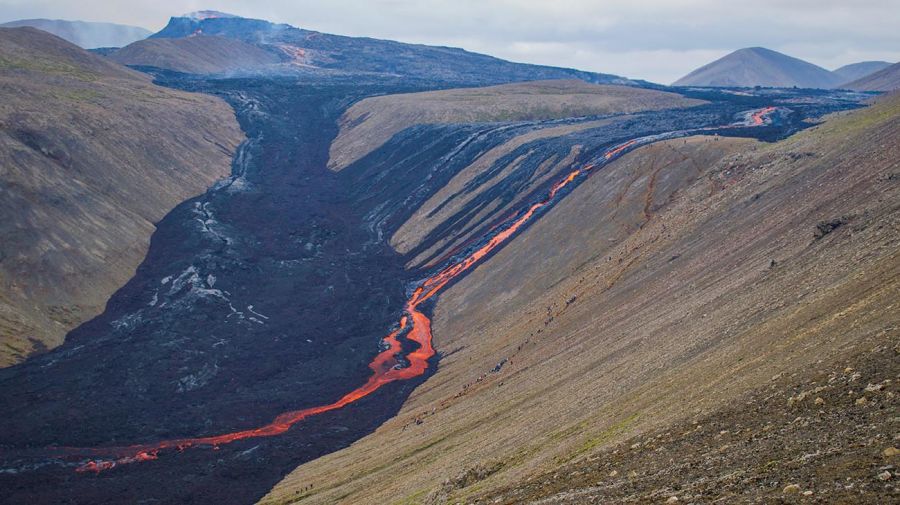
x=386, y=367
x=758, y=118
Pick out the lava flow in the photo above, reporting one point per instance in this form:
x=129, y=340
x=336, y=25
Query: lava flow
x=413, y=325
x=758, y=118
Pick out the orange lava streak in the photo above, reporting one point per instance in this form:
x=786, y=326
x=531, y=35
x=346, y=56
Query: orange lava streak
x=385, y=366
x=610, y=154
x=758, y=117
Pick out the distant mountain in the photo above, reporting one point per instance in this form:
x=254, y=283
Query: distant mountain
x=886, y=79
x=758, y=66
x=84, y=33
x=92, y=154
x=859, y=70
x=207, y=54
x=310, y=51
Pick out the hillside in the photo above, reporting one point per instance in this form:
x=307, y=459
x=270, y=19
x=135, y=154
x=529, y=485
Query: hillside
x=758, y=66
x=887, y=79
x=196, y=55
x=92, y=156
x=326, y=54
x=370, y=123
x=859, y=70
x=691, y=283
x=85, y=34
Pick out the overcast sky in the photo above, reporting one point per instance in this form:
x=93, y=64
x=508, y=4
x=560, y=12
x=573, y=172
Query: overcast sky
x=657, y=40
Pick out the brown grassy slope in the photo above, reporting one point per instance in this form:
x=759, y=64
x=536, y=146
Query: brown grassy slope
x=370, y=123
x=91, y=155
x=196, y=55
x=886, y=79
x=823, y=434
x=646, y=297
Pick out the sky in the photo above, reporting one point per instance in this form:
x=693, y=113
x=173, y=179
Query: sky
x=656, y=40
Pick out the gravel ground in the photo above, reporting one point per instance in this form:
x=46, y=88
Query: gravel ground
x=826, y=435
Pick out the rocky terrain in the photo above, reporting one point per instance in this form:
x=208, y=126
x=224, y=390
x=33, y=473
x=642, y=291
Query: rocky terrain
x=85, y=34
x=92, y=156
x=887, y=79
x=826, y=434
x=723, y=282
x=758, y=66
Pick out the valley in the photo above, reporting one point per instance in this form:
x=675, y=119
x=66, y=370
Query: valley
x=672, y=290
x=93, y=155
x=285, y=240
x=247, y=262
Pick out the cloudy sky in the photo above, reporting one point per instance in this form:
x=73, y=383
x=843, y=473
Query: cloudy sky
x=658, y=40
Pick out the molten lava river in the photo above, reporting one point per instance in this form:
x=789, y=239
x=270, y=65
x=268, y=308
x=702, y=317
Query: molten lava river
x=390, y=364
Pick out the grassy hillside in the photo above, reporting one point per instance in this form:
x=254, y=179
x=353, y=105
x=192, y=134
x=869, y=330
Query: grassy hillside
x=91, y=156
x=682, y=282
x=373, y=121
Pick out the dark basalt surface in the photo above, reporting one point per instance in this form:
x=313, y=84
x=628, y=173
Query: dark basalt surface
x=259, y=297
x=270, y=293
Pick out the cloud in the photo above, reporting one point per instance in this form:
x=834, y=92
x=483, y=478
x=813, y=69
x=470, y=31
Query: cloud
x=658, y=40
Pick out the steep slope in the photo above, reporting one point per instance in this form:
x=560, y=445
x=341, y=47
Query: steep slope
x=667, y=286
x=92, y=155
x=85, y=34
x=197, y=55
x=370, y=123
x=887, y=79
x=766, y=446
x=859, y=70
x=309, y=51
x=758, y=66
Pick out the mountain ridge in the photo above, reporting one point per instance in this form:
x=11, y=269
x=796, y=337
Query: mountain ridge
x=310, y=51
